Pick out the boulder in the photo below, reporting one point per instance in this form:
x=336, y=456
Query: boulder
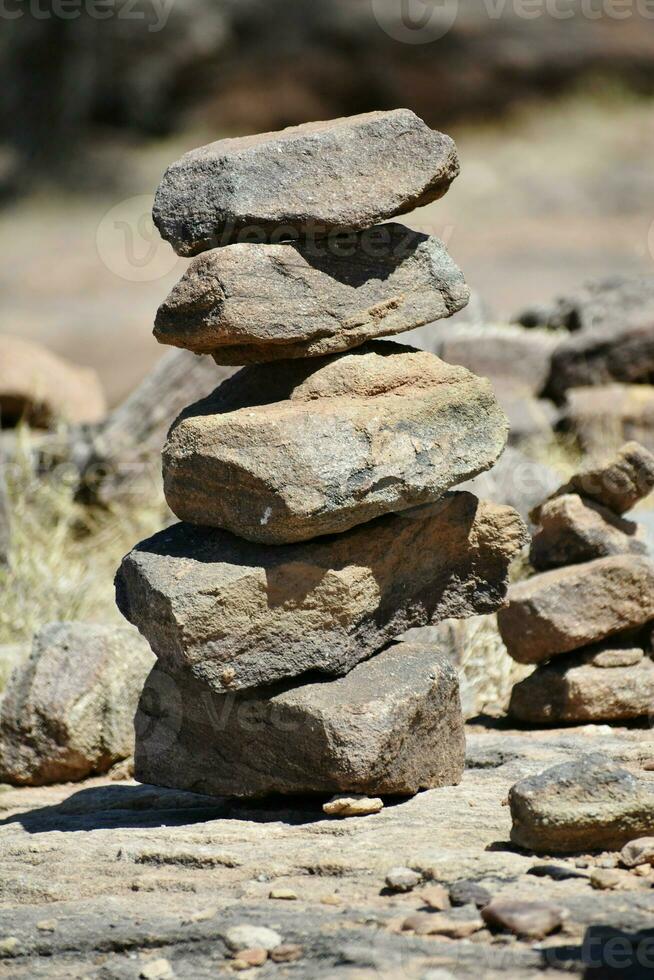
x=617, y=483
x=604, y=417
x=241, y=615
x=247, y=302
x=392, y=726
x=68, y=710
x=308, y=180
x=578, y=688
x=589, y=804
x=567, y=608
x=285, y=452
x=40, y=388
x=576, y=530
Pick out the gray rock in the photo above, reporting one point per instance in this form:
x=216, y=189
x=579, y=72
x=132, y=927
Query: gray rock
x=303, y=181
x=251, y=937
x=637, y=852
x=531, y=920
x=617, y=483
x=392, y=726
x=467, y=892
x=516, y=480
x=402, y=879
x=249, y=303
x=286, y=452
x=68, y=709
x=241, y=615
x=586, y=805
x=573, y=689
x=599, y=304
x=575, y=530
x=567, y=608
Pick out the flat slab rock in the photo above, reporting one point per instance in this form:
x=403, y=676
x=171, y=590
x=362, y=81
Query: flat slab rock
x=611, y=684
x=247, y=303
x=393, y=725
x=575, y=530
x=240, y=615
x=285, y=452
x=588, y=804
x=306, y=180
x=68, y=710
x=617, y=483
x=567, y=608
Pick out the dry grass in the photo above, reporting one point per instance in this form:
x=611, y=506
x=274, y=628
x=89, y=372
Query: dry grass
x=63, y=556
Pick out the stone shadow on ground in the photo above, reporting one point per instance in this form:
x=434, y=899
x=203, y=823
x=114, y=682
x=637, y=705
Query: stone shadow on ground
x=142, y=806
x=606, y=953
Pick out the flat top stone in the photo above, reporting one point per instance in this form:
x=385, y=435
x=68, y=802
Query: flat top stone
x=292, y=450
x=341, y=173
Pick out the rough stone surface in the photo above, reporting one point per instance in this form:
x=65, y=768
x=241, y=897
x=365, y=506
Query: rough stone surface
x=68, y=709
x=574, y=688
x=588, y=804
x=393, y=725
x=241, y=615
x=637, y=852
x=617, y=483
x=306, y=180
x=402, y=879
x=567, y=608
x=40, y=388
x=533, y=920
x=130, y=872
x=575, y=530
x=289, y=451
x=248, y=303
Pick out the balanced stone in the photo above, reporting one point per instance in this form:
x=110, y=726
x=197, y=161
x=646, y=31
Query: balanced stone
x=391, y=726
x=247, y=303
x=285, y=452
x=575, y=530
x=241, y=615
x=306, y=180
x=578, y=688
x=567, y=608
x=589, y=804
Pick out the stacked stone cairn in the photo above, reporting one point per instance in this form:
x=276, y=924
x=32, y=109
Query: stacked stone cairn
x=313, y=486
x=586, y=619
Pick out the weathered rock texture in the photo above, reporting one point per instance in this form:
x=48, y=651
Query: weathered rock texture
x=580, y=687
x=247, y=303
x=567, y=608
x=307, y=180
x=68, y=710
x=241, y=615
x=574, y=530
x=40, y=388
x=392, y=725
x=617, y=483
x=588, y=804
x=289, y=451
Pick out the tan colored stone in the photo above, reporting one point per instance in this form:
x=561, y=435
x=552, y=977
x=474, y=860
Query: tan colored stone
x=638, y=852
x=573, y=530
x=285, y=452
x=352, y=805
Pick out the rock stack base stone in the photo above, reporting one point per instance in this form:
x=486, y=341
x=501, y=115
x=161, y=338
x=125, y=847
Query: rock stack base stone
x=315, y=485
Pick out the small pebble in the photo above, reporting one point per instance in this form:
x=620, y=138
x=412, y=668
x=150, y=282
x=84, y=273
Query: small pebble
x=9, y=945
x=648, y=765
x=47, y=925
x=532, y=920
x=251, y=957
x=352, y=806
x=331, y=900
x=283, y=894
x=554, y=871
x=435, y=897
x=639, y=851
x=438, y=924
x=467, y=892
x=245, y=936
x=156, y=970
x=287, y=953
x=402, y=879
x=611, y=879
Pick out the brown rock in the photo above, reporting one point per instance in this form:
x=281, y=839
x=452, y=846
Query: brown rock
x=533, y=920
x=40, y=388
x=286, y=452
x=617, y=483
x=571, y=688
x=567, y=608
x=287, y=953
x=250, y=303
x=575, y=530
x=392, y=726
x=452, y=925
x=435, y=897
x=307, y=180
x=68, y=710
x=241, y=615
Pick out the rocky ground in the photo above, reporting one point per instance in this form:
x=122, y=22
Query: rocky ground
x=107, y=879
